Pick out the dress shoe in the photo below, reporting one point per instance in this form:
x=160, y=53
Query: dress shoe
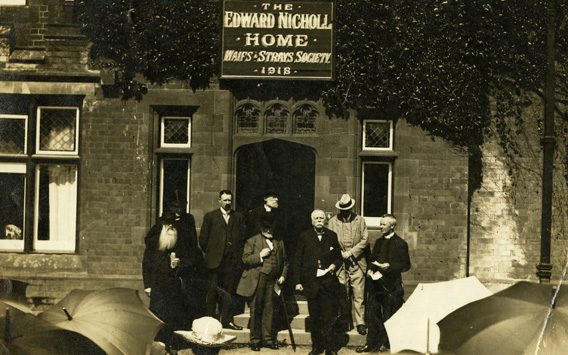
x=331, y=352
x=361, y=329
x=383, y=349
x=315, y=352
x=232, y=326
x=272, y=346
x=255, y=347
x=364, y=349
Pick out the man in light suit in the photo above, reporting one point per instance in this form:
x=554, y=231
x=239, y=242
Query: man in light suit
x=318, y=255
x=265, y=263
x=221, y=239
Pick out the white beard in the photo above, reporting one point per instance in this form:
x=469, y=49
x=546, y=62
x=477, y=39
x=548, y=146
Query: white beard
x=168, y=238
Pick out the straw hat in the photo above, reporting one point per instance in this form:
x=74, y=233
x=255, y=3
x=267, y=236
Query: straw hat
x=206, y=331
x=345, y=203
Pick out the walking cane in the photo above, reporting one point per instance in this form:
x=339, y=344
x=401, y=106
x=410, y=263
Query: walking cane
x=286, y=315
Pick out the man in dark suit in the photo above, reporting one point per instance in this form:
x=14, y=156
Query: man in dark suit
x=265, y=266
x=220, y=239
x=388, y=260
x=318, y=255
x=170, y=254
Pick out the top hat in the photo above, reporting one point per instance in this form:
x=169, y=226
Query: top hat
x=168, y=217
x=269, y=193
x=345, y=203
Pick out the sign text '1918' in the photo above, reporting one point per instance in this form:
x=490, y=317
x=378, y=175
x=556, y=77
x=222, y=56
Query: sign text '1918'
x=275, y=70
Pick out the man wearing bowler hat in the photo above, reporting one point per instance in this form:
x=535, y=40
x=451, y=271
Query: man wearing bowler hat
x=352, y=235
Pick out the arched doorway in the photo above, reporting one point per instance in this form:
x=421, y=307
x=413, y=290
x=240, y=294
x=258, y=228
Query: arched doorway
x=286, y=167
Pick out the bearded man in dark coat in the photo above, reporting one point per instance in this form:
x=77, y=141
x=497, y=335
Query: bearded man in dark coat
x=168, y=255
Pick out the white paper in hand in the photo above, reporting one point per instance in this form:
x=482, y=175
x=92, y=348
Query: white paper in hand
x=322, y=272
x=376, y=275
x=277, y=289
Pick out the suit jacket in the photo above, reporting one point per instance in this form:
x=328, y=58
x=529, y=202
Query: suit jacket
x=309, y=250
x=396, y=254
x=253, y=264
x=357, y=240
x=220, y=240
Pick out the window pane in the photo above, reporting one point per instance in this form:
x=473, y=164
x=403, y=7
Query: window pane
x=174, y=182
x=56, y=207
x=12, y=134
x=276, y=118
x=375, y=189
x=305, y=119
x=12, y=185
x=57, y=129
x=176, y=131
x=377, y=134
x=248, y=117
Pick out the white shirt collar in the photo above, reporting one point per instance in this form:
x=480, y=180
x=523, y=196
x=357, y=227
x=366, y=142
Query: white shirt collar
x=389, y=236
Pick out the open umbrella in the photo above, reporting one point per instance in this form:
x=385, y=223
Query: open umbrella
x=413, y=326
x=24, y=333
x=525, y=318
x=115, y=319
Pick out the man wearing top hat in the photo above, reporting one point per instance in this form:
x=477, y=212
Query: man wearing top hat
x=167, y=256
x=268, y=211
x=265, y=263
x=352, y=235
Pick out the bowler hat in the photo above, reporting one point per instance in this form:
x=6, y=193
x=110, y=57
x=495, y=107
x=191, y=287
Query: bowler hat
x=345, y=203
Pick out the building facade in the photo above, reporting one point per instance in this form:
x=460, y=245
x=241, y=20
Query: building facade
x=85, y=174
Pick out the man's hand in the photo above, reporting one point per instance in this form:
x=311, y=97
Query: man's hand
x=281, y=280
x=299, y=287
x=148, y=291
x=383, y=266
x=331, y=268
x=346, y=254
x=264, y=253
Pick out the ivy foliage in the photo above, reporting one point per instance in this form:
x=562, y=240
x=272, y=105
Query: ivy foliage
x=447, y=66
x=159, y=39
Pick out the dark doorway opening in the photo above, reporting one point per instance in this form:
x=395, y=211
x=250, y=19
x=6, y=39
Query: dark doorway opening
x=285, y=167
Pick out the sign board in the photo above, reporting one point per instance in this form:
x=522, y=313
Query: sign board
x=277, y=40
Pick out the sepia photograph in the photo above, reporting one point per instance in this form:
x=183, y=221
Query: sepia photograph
x=204, y=177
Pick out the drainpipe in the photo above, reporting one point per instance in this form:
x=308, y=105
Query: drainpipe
x=544, y=268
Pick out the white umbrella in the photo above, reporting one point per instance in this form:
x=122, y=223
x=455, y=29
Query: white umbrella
x=413, y=326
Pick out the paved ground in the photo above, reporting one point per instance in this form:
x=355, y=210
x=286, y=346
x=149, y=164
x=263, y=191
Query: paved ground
x=241, y=349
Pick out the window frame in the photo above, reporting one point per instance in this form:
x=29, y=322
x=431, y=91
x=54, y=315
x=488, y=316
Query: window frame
x=162, y=132
x=75, y=152
x=30, y=162
x=375, y=221
x=13, y=2
x=364, y=135
x=17, y=245
x=26, y=132
x=161, y=159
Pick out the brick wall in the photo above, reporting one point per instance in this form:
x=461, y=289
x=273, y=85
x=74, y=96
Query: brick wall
x=506, y=211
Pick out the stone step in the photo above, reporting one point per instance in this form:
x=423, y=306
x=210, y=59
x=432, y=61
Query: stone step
x=301, y=337
x=298, y=322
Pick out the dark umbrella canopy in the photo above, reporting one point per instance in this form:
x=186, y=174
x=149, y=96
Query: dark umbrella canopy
x=525, y=318
x=24, y=333
x=115, y=319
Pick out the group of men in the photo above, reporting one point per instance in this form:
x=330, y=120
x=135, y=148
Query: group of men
x=329, y=263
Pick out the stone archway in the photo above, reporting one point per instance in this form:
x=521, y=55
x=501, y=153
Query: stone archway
x=286, y=167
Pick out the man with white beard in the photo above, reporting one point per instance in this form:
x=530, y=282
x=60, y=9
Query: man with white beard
x=168, y=256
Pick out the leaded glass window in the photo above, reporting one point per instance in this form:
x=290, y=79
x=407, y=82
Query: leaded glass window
x=248, y=118
x=305, y=119
x=276, y=116
x=377, y=135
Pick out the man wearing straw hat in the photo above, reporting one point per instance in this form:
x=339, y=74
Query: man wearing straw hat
x=352, y=235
